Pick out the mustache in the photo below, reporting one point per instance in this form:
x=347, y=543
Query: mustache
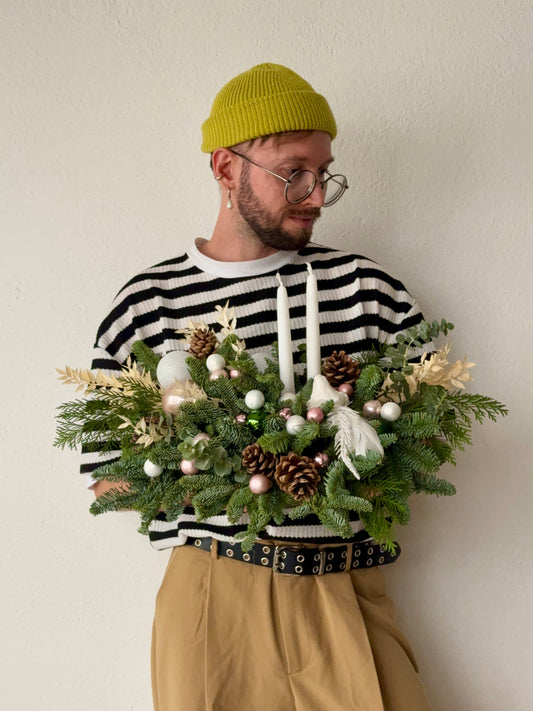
x=309, y=212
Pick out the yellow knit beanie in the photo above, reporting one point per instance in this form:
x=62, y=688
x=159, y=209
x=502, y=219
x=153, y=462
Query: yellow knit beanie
x=268, y=98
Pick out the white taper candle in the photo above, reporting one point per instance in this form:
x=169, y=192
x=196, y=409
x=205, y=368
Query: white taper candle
x=312, y=327
x=286, y=367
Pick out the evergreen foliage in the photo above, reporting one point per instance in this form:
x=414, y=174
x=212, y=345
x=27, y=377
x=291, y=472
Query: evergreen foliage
x=127, y=414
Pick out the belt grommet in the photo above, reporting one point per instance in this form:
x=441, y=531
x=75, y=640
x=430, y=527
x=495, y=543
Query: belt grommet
x=330, y=556
x=282, y=566
x=342, y=566
x=343, y=554
x=329, y=568
x=264, y=561
x=283, y=554
x=300, y=558
x=369, y=563
x=381, y=560
x=316, y=556
x=198, y=542
x=266, y=550
x=370, y=551
x=357, y=552
x=298, y=569
x=229, y=553
x=246, y=557
x=316, y=569
x=355, y=564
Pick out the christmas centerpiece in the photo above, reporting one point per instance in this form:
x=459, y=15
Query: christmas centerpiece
x=221, y=430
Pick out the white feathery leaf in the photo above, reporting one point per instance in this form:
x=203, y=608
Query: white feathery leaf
x=354, y=436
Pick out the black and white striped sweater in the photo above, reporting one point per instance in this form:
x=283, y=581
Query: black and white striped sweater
x=360, y=305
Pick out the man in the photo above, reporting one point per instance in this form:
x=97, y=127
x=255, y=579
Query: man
x=229, y=632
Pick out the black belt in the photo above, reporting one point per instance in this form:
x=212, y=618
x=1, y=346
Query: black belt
x=294, y=560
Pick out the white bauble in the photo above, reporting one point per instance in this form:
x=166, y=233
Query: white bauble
x=260, y=360
x=151, y=469
x=287, y=395
x=172, y=367
x=254, y=399
x=390, y=411
x=215, y=362
x=295, y=424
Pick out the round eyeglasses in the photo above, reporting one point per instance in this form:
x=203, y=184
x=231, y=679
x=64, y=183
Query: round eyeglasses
x=301, y=183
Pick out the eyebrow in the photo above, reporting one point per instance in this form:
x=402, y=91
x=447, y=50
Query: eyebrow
x=303, y=160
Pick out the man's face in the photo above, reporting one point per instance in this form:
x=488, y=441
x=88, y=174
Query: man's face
x=260, y=197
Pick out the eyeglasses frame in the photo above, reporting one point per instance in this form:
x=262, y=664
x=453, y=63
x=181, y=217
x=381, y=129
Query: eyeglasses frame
x=288, y=181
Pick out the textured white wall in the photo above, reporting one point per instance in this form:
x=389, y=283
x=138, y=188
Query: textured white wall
x=101, y=175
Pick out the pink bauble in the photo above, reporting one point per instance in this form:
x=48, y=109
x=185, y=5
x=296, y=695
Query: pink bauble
x=188, y=467
x=285, y=412
x=234, y=373
x=240, y=419
x=200, y=436
x=315, y=414
x=216, y=374
x=321, y=460
x=346, y=388
x=371, y=409
x=259, y=484
x=171, y=400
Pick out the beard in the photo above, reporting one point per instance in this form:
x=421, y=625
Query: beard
x=266, y=227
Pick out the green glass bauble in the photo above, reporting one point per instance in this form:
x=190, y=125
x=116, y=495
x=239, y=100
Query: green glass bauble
x=255, y=419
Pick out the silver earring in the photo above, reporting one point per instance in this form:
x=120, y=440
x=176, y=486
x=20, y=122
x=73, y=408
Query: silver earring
x=218, y=177
x=229, y=204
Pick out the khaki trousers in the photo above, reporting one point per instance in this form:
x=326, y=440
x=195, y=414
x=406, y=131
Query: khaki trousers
x=231, y=636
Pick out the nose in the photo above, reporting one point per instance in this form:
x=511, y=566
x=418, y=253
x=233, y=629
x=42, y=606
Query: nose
x=316, y=196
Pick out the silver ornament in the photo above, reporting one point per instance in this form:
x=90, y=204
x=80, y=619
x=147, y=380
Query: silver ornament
x=254, y=399
x=188, y=467
x=215, y=362
x=259, y=484
x=152, y=470
x=295, y=424
x=371, y=409
x=390, y=411
x=260, y=360
x=172, y=367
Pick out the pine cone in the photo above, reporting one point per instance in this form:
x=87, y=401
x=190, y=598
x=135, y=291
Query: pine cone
x=202, y=343
x=256, y=461
x=297, y=476
x=340, y=368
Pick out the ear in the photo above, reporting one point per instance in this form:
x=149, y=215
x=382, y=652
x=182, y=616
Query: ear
x=223, y=162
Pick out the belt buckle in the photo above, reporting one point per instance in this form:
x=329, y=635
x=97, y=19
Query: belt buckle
x=276, y=562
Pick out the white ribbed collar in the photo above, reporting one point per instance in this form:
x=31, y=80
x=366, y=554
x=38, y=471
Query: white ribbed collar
x=231, y=270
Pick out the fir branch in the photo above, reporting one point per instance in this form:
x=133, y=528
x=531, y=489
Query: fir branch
x=430, y=484
x=417, y=425
x=212, y=499
x=305, y=437
x=368, y=384
x=239, y=500
x=478, y=406
x=301, y=511
x=275, y=442
x=146, y=357
x=299, y=403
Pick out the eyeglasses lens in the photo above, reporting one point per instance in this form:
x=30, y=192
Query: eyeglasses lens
x=302, y=183
x=334, y=187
